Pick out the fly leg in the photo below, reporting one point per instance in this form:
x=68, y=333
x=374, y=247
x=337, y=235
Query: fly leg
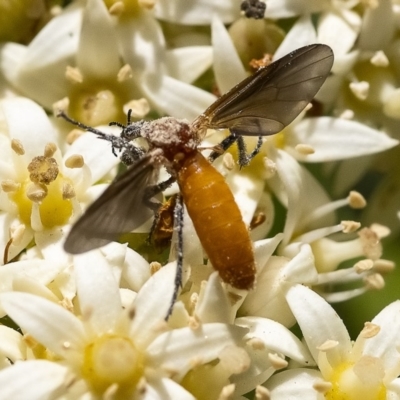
x=178, y=216
x=222, y=147
x=244, y=159
x=120, y=143
x=154, y=205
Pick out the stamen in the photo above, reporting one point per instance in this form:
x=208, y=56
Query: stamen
x=228, y=162
x=9, y=186
x=270, y=168
x=360, y=89
x=262, y=393
x=374, y=282
x=350, y=226
x=18, y=147
x=117, y=8
x=304, y=149
x=256, y=343
x=322, y=386
x=125, y=73
x=74, y=161
x=370, y=330
x=384, y=266
x=73, y=75
x=68, y=191
x=347, y=114
x=379, y=59
x=363, y=265
x=50, y=149
x=17, y=234
x=140, y=108
x=277, y=361
x=73, y=135
x=227, y=392
x=356, y=200
x=36, y=192
x=148, y=4
x=372, y=246
x=328, y=345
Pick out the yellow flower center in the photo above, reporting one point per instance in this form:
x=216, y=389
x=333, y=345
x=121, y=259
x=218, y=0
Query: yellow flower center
x=362, y=380
x=113, y=361
x=95, y=105
x=279, y=140
x=45, y=187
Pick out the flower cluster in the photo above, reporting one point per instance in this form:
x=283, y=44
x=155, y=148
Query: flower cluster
x=114, y=322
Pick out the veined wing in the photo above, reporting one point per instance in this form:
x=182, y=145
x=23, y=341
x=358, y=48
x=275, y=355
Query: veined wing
x=119, y=209
x=270, y=99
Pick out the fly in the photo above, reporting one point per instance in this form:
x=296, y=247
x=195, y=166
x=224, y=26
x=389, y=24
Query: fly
x=262, y=104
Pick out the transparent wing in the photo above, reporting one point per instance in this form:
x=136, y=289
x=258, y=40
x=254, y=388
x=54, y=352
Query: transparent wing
x=119, y=209
x=269, y=100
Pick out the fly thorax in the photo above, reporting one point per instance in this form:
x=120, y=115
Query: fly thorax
x=171, y=135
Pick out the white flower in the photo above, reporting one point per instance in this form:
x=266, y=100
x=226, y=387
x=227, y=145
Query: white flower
x=78, y=55
x=108, y=349
x=41, y=188
x=367, y=368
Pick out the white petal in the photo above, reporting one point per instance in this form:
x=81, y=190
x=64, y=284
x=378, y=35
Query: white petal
x=393, y=390
x=177, y=350
x=196, y=13
x=383, y=16
x=247, y=191
x=349, y=172
x=294, y=384
x=143, y=45
x=98, y=291
x=34, y=130
x=152, y=304
x=136, y=270
x=96, y=153
x=263, y=249
x=6, y=221
x=41, y=270
x=337, y=139
x=33, y=380
x=12, y=344
x=98, y=38
x=42, y=72
x=11, y=55
x=186, y=64
x=384, y=344
x=50, y=324
x=297, y=181
x=165, y=389
x=176, y=98
x=50, y=243
x=213, y=304
x=301, y=267
x=301, y=34
x=319, y=323
x=228, y=68
x=268, y=299
x=277, y=338
x=339, y=30
x=290, y=8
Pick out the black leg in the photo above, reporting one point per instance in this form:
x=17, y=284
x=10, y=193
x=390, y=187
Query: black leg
x=178, y=216
x=244, y=159
x=223, y=146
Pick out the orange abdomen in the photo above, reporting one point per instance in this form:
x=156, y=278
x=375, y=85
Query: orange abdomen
x=217, y=220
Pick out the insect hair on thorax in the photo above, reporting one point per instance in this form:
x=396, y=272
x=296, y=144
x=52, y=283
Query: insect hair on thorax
x=171, y=134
